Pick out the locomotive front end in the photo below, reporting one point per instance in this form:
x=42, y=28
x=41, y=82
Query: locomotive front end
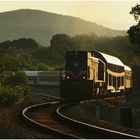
x=75, y=85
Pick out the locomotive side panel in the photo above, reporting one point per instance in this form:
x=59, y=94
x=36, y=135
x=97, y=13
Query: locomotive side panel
x=128, y=78
x=114, y=73
x=115, y=78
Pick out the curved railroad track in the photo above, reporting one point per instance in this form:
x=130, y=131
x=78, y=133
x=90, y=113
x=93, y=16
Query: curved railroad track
x=41, y=117
x=49, y=117
x=47, y=96
x=99, y=131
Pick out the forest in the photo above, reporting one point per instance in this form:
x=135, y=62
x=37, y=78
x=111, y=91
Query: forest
x=27, y=54
x=30, y=55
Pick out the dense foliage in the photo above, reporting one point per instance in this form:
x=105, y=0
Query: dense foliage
x=134, y=36
x=22, y=43
x=49, y=58
x=13, y=88
x=13, y=82
x=134, y=31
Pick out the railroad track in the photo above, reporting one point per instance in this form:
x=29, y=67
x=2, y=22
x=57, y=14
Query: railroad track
x=41, y=117
x=44, y=95
x=99, y=131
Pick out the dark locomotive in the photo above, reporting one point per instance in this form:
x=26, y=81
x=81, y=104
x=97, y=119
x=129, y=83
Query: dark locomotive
x=92, y=73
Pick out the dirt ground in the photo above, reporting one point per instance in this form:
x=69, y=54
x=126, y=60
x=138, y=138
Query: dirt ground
x=11, y=125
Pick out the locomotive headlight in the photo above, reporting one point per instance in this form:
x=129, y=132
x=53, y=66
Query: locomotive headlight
x=84, y=77
x=67, y=77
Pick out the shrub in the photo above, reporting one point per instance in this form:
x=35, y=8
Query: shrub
x=12, y=95
x=15, y=79
x=14, y=89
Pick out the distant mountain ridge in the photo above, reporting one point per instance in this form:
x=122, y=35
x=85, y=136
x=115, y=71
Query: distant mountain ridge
x=41, y=26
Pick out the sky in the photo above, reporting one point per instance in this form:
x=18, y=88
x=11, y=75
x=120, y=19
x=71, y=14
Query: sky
x=109, y=13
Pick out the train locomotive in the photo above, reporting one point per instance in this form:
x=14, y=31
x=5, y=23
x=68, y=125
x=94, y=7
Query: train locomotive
x=91, y=74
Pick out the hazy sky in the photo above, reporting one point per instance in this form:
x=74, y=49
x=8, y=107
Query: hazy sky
x=112, y=14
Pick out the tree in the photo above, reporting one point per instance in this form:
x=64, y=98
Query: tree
x=13, y=82
x=60, y=40
x=15, y=79
x=136, y=12
x=60, y=43
x=14, y=88
x=134, y=31
x=22, y=43
x=9, y=63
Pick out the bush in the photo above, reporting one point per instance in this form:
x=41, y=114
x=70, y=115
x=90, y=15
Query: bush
x=13, y=89
x=15, y=79
x=11, y=95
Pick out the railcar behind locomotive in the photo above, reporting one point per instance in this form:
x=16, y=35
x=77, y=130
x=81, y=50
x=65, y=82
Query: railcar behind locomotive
x=43, y=78
x=92, y=73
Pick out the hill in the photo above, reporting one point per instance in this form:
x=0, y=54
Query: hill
x=41, y=26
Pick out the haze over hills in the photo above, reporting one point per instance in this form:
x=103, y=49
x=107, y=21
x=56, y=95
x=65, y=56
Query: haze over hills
x=41, y=26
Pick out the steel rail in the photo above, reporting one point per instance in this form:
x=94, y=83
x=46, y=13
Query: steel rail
x=103, y=132
x=44, y=95
x=42, y=127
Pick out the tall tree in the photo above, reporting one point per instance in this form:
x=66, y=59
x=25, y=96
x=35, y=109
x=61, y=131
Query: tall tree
x=134, y=31
x=61, y=41
x=59, y=44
